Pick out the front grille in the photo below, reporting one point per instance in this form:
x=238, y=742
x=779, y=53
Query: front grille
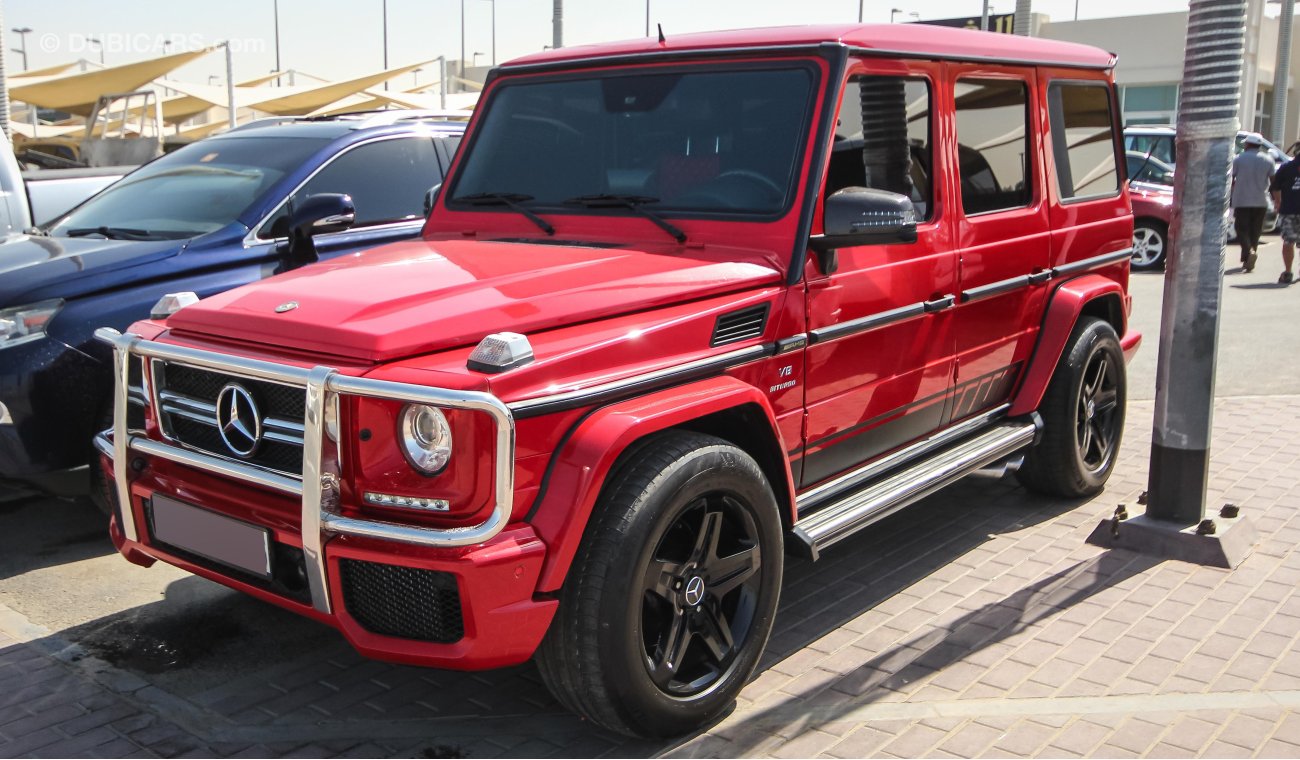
x=405, y=602
x=188, y=414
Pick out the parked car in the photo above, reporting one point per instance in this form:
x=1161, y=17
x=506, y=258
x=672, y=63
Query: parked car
x=1148, y=169
x=54, y=192
x=1153, y=207
x=219, y=213
x=675, y=300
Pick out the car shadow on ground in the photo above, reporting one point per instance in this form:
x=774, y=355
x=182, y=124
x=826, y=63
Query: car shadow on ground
x=39, y=531
x=248, y=673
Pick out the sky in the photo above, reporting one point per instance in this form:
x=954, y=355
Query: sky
x=340, y=39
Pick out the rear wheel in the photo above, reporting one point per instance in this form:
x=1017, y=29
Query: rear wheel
x=671, y=598
x=1150, y=242
x=1083, y=416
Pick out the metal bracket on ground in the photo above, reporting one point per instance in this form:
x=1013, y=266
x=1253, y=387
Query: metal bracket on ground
x=1230, y=543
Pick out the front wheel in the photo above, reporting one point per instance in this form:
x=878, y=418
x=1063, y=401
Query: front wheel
x=1083, y=416
x=671, y=597
x=1150, y=241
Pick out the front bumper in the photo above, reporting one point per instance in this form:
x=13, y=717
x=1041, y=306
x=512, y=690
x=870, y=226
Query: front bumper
x=495, y=568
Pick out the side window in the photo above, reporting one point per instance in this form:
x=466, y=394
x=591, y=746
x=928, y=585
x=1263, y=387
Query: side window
x=387, y=181
x=1083, y=140
x=993, y=144
x=882, y=139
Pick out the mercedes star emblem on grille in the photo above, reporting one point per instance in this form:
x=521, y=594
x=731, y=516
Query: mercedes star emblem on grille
x=286, y=306
x=238, y=420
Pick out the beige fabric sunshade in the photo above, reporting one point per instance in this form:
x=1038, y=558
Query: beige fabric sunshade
x=77, y=93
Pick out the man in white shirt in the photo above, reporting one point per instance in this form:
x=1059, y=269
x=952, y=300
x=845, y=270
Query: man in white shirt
x=1251, y=173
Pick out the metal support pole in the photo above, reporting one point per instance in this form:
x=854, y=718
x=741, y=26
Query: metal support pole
x=647, y=18
x=442, y=82
x=275, y=7
x=1282, y=73
x=1189, y=321
x=384, y=6
x=494, y=32
x=230, y=84
x=4, y=88
x=863, y=2
x=984, y=17
x=557, y=25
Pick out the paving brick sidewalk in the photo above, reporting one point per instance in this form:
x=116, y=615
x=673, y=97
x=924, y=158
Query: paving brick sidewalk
x=977, y=623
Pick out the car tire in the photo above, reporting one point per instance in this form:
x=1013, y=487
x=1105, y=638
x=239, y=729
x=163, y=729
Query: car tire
x=1083, y=416
x=671, y=597
x=1150, y=244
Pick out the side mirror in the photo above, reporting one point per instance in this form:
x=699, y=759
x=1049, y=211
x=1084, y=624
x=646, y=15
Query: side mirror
x=431, y=198
x=863, y=216
x=317, y=215
x=322, y=213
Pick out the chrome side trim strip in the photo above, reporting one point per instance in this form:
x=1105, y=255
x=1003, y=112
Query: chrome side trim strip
x=681, y=373
x=1090, y=263
x=995, y=288
x=792, y=343
x=849, y=481
x=869, y=322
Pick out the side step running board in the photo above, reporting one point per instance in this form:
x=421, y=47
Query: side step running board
x=861, y=508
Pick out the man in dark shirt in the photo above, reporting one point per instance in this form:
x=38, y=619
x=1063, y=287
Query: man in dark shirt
x=1286, y=199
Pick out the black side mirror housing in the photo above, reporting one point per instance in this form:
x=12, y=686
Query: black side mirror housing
x=431, y=198
x=317, y=215
x=862, y=216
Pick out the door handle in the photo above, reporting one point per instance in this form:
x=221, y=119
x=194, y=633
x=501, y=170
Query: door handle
x=1037, y=278
x=939, y=304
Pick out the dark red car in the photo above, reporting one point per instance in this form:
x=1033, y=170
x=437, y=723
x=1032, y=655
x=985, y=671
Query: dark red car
x=680, y=305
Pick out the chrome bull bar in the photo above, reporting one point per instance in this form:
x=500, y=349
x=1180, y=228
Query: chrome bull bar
x=318, y=488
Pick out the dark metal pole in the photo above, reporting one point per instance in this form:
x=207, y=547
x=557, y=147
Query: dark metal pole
x=1189, y=321
x=460, y=67
x=385, y=13
x=494, y=32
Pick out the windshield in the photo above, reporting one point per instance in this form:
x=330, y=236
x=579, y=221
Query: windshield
x=721, y=142
x=198, y=189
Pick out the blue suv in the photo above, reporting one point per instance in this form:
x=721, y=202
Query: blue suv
x=222, y=212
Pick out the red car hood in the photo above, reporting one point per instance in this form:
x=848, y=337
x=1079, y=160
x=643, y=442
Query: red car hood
x=421, y=296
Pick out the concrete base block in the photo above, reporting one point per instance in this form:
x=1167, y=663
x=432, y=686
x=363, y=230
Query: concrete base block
x=1231, y=543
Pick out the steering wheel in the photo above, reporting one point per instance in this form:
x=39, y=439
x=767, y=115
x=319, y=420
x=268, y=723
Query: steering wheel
x=754, y=176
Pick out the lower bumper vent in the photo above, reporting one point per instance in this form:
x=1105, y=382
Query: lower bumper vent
x=405, y=602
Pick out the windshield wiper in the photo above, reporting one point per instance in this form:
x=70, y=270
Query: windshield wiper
x=115, y=233
x=509, y=200
x=635, y=204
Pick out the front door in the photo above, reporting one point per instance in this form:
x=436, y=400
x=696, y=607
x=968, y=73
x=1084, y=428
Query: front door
x=880, y=359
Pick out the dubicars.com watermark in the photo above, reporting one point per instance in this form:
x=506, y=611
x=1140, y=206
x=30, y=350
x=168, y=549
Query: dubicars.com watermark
x=140, y=43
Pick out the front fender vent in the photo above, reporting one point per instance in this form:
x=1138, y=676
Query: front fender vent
x=743, y=324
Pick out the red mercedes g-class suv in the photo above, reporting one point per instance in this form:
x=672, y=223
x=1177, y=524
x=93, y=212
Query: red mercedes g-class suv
x=680, y=306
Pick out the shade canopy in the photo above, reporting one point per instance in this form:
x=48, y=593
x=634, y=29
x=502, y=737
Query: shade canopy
x=77, y=93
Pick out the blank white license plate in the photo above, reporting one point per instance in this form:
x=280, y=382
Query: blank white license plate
x=216, y=537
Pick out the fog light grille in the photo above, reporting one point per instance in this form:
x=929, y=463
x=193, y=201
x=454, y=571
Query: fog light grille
x=405, y=602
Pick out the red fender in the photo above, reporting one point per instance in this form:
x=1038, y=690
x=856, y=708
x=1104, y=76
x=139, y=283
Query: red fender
x=582, y=464
x=1063, y=312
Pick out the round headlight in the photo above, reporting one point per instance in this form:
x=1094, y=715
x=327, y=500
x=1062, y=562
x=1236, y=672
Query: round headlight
x=426, y=438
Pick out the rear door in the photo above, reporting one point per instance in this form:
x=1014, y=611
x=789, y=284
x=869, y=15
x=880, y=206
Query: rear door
x=1002, y=228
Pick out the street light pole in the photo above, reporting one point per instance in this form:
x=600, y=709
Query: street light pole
x=1281, y=72
x=647, y=18
x=984, y=17
x=860, y=4
x=230, y=85
x=460, y=67
x=22, y=33
x=557, y=24
x=494, y=32
x=100, y=45
x=275, y=7
x=385, y=12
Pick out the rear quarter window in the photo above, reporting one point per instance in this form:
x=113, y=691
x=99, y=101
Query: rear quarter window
x=1083, y=140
